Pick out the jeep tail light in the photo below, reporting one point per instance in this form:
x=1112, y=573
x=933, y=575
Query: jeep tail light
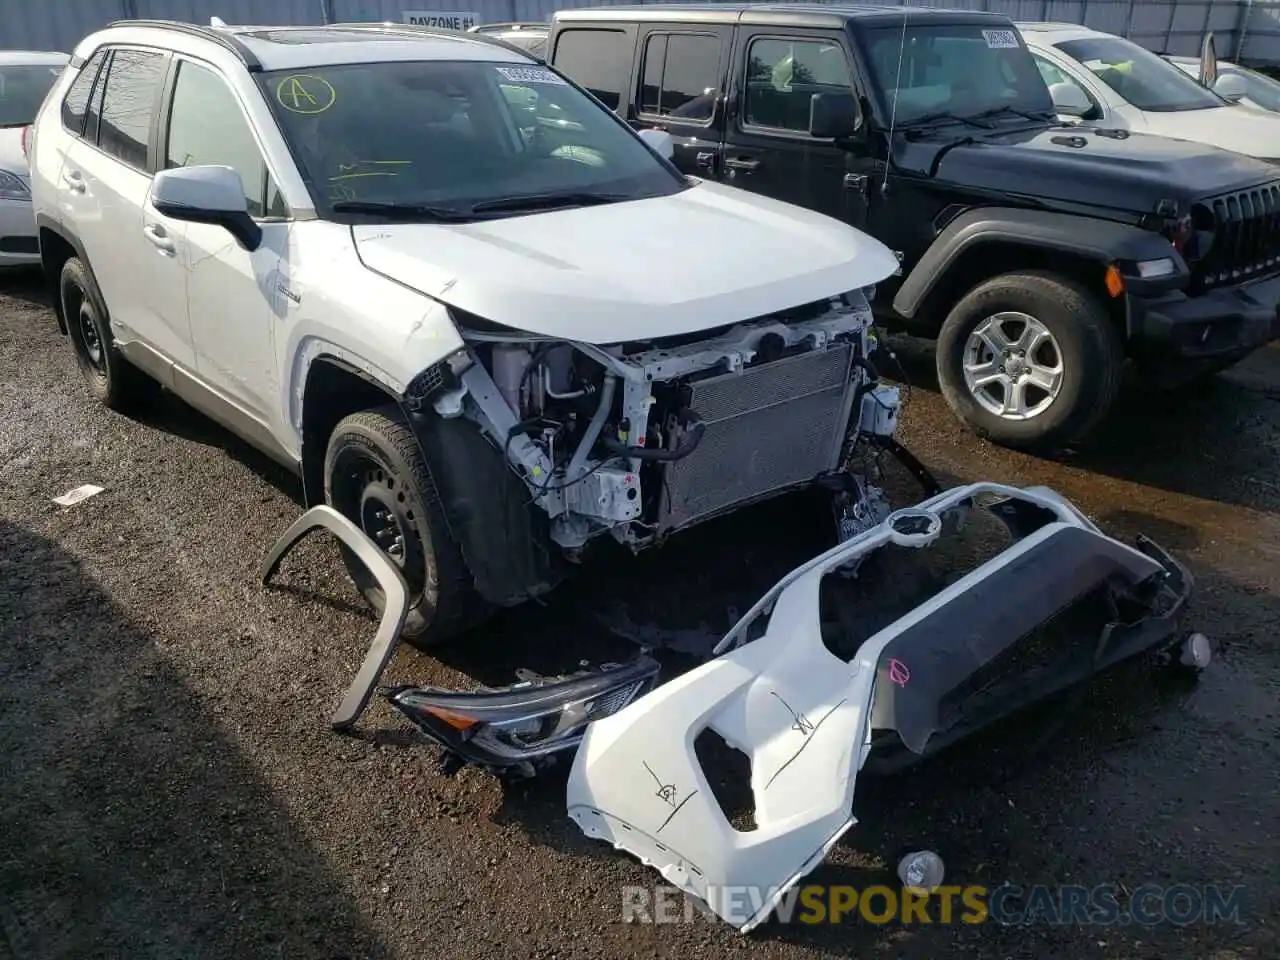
x=26, y=144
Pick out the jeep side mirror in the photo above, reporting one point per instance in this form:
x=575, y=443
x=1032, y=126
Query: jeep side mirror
x=833, y=115
x=207, y=194
x=1230, y=86
x=1069, y=100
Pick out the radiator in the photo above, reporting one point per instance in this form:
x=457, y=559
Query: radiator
x=769, y=427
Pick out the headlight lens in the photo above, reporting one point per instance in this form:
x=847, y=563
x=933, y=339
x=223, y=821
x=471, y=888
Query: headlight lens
x=12, y=187
x=515, y=727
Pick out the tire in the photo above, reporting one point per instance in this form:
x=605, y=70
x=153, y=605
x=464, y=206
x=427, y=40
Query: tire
x=1090, y=360
x=116, y=383
x=376, y=476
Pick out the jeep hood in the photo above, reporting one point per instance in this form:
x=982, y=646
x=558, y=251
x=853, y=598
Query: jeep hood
x=704, y=257
x=1113, y=170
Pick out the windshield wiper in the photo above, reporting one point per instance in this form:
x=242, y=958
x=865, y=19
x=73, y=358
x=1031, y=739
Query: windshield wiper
x=1028, y=114
x=548, y=201
x=949, y=116
x=403, y=211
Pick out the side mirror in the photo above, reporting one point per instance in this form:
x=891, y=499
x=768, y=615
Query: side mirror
x=1069, y=99
x=660, y=141
x=1230, y=86
x=206, y=194
x=833, y=115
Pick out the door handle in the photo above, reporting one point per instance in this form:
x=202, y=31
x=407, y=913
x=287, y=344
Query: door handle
x=74, y=180
x=159, y=239
x=742, y=163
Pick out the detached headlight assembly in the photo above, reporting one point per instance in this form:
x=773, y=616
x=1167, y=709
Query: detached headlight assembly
x=518, y=728
x=12, y=187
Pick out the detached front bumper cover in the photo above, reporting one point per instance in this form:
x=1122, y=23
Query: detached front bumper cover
x=805, y=717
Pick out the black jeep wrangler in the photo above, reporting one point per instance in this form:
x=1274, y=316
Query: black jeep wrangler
x=1040, y=256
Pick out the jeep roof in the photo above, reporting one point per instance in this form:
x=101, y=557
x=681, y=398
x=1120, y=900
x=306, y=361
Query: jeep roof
x=790, y=14
x=289, y=47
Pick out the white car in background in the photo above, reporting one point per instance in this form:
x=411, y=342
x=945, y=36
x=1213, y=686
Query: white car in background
x=1109, y=81
x=25, y=79
x=1260, y=91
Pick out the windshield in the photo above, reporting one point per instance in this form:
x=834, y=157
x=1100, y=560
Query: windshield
x=1259, y=88
x=455, y=134
x=22, y=90
x=1142, y=78
x=964, y=69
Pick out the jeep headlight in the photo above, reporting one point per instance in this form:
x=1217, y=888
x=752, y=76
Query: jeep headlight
x=12, y=187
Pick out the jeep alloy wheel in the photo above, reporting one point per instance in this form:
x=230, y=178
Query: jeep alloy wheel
x=1030, y=359
x=1013, y=366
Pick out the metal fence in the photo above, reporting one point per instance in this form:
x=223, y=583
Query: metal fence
x=1247, y=30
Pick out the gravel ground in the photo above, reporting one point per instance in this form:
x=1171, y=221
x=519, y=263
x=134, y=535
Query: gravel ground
x=170, y=788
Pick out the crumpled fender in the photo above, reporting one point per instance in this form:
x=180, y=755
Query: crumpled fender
x=799, y=712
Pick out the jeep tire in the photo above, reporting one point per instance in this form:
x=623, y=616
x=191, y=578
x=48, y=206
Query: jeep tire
x=376, y=476
x=1066, y=328
x=115, y=382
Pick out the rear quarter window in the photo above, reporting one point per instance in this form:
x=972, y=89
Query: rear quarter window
x=598, y=60
x=75, y=105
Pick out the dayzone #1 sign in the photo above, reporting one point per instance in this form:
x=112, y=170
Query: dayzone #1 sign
x=444, y=19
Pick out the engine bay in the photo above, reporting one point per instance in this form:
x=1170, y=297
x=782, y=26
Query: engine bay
x=641, y=439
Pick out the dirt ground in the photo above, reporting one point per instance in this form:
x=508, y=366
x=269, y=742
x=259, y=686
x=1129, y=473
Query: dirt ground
x=170, y=788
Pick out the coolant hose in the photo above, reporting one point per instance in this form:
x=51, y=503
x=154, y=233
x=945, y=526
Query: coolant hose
x=694, y=429
x=593, y=428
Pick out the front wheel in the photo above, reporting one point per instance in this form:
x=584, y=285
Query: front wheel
x=377, y=477
x=1029, y=360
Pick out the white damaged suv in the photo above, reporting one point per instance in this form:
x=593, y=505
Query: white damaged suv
x=476, y=312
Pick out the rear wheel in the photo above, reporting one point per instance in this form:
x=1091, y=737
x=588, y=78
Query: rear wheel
x=115, y=382
x=1029, y=360
x=376, y=476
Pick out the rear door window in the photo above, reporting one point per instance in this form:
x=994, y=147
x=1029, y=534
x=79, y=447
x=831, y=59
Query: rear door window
x=597, y=60
x=129, y=103
x=681, y=76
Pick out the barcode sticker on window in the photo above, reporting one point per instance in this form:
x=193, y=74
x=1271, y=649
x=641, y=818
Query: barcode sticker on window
x=529, y=75
x=1001, y=39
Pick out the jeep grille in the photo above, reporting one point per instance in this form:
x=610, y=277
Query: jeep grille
x=1246, y=242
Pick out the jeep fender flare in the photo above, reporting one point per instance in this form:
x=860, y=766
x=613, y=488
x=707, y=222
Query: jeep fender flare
x=1103, y=241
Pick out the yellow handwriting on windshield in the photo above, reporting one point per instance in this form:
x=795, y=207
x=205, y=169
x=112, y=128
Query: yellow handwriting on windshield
x=305, y=93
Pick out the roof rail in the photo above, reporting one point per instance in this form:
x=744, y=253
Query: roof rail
x=225, y=40
x=419, y=30
x=510, y=25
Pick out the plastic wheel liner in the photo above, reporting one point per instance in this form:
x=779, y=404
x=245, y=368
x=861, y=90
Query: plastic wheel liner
x=805, y=717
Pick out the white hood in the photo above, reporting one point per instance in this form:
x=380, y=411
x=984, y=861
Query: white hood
x=1243, y=129
x=11, y=157
x=705, y=257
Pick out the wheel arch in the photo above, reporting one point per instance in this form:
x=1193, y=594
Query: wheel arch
x=504, y=540
x=57, y=246
x=333, y=389
x=987, y=242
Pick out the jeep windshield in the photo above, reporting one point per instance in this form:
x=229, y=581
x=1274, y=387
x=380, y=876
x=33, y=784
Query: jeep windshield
x=939, y=73
x=448, y=140
x=23, y=88
x=1142, y=78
